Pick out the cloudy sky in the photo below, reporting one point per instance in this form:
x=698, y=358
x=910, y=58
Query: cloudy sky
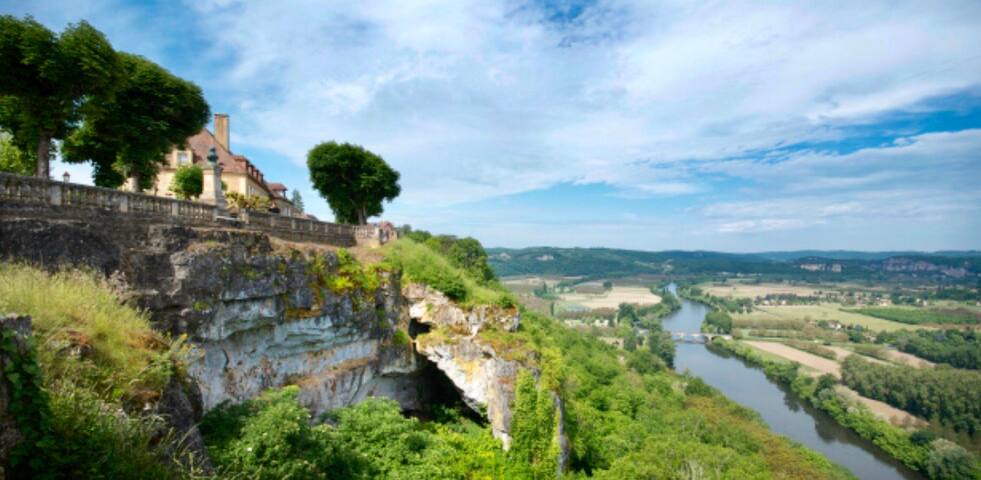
x=651, y=125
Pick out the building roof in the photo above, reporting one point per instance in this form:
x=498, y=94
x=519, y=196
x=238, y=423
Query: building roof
x=278, y=188
x=201, y=143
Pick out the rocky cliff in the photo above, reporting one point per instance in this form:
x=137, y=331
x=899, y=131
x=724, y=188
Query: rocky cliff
x=264, y=314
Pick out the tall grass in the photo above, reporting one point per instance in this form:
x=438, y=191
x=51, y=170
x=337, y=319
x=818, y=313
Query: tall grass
x=421, y=264
x=85, y=334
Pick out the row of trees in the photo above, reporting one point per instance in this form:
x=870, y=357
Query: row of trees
x=947, y=395
x=958, y=348
x=117, y=110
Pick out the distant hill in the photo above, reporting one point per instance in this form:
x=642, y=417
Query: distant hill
x=608, y=262
x=859, y=255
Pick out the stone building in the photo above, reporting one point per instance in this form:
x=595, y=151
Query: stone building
x=238, y=173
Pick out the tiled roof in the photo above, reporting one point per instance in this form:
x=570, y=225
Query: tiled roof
x=202, y=142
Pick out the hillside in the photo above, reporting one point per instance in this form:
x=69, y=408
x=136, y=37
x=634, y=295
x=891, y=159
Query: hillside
x=607, y=262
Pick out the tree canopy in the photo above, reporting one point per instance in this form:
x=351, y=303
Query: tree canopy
x=353, y=180
x=45, y=80
x=127, y=133
x=188, y=182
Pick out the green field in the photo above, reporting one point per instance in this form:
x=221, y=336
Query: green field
x=825, y=311
x=917, y=316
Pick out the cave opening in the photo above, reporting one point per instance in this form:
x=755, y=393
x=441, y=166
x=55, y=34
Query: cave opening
x=441, y=395
x=416, y=328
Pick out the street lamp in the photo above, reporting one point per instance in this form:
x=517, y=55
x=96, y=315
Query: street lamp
x=216, y=180
x=66, y=177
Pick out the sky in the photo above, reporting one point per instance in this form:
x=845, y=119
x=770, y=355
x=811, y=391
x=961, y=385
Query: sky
x=731, y=126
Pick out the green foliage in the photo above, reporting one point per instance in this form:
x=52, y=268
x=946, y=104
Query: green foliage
x=12, y=158
x=125, y=358
x=814, y=348
x=128, y=130
x=77, y=397
x=28, y=404
x=48, y=79
x=958, y=348
x=719, y=321
x=188, y=182
x=533, y=424
x=420, y=263
x=270, y=437
x=238, y=201
x=948, y=395
x=949, y=461
x=353, y=180
x=911, y=449
x=916, y=316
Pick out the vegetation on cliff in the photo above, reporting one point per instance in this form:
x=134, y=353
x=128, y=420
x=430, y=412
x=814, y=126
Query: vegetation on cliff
x=100, y=364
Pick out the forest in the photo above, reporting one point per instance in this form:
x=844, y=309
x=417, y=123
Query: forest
x=949, y=396
x=957, y=348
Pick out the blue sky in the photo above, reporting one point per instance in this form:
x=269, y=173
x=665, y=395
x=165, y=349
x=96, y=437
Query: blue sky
x=734, y=126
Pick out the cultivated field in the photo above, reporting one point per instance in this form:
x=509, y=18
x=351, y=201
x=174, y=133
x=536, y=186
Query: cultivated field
x=814, y=362
x=739, y=290
x=612, y=298
x=825, y=311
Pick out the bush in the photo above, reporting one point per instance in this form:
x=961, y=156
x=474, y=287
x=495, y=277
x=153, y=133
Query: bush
x=188, y=182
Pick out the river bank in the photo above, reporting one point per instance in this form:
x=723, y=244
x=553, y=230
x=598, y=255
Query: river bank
x=780, y=407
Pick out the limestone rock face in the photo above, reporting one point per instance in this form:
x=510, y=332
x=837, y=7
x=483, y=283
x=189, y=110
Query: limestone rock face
x=485, y=380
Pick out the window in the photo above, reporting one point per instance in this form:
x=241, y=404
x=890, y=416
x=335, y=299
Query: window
x=182, y=158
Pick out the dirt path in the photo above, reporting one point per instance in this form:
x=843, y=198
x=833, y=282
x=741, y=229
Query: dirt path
x=900, y=418
x=822, y=365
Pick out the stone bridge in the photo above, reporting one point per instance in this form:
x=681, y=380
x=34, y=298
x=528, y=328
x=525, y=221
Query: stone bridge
x=685, y=337
x=38, y=198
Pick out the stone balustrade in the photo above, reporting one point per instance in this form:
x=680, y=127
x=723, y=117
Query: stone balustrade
x=26, y=196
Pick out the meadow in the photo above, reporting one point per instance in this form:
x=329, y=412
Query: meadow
x=830, y=312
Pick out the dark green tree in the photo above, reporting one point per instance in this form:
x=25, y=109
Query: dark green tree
x=128, y=133
x=188, y=182
x=353, y=180
x=47, y=79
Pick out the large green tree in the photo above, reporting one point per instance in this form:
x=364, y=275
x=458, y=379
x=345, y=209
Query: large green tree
x=128, y=133
x=46, y=80
x=12, y=158
x=354, y=181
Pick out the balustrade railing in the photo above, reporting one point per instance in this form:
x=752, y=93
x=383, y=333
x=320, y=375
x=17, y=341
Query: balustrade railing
x=18, y=189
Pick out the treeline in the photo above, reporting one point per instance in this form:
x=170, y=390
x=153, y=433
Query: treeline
x=920, y=450
x=949, y=396
x=958, y=348
x=731, y=305
x=916, y=316
x=74, y=93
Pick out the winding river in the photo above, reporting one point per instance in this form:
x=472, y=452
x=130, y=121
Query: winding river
x=780, y=408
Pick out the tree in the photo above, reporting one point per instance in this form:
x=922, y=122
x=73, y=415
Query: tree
x=188, y=182
x=297, y=200
x=13, y=159
x=353, y=180
x=45, y=81
x=127, y=133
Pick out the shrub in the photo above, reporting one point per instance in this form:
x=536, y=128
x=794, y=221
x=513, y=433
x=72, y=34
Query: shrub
x=188, y=182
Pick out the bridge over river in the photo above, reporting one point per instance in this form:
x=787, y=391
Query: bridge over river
x=686, y=337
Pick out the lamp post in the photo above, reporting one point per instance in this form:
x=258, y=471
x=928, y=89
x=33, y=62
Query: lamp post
x=66, y=177
x=216, y=180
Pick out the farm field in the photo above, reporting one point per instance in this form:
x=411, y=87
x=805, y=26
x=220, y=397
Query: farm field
x=814, y=362
x=816, y=366
x=825, y=311
x=747, y=290
x=612, y=298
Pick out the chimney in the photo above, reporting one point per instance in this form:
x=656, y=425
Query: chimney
x=221, y=130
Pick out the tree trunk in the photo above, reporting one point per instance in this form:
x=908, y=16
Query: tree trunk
x=43, y=154
x=134, y=182
x=362, y=218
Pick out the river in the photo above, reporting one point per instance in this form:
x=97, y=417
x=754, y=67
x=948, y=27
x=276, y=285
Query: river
x=780, y=408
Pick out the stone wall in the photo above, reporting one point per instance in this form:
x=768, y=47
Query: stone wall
x=34, y=198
